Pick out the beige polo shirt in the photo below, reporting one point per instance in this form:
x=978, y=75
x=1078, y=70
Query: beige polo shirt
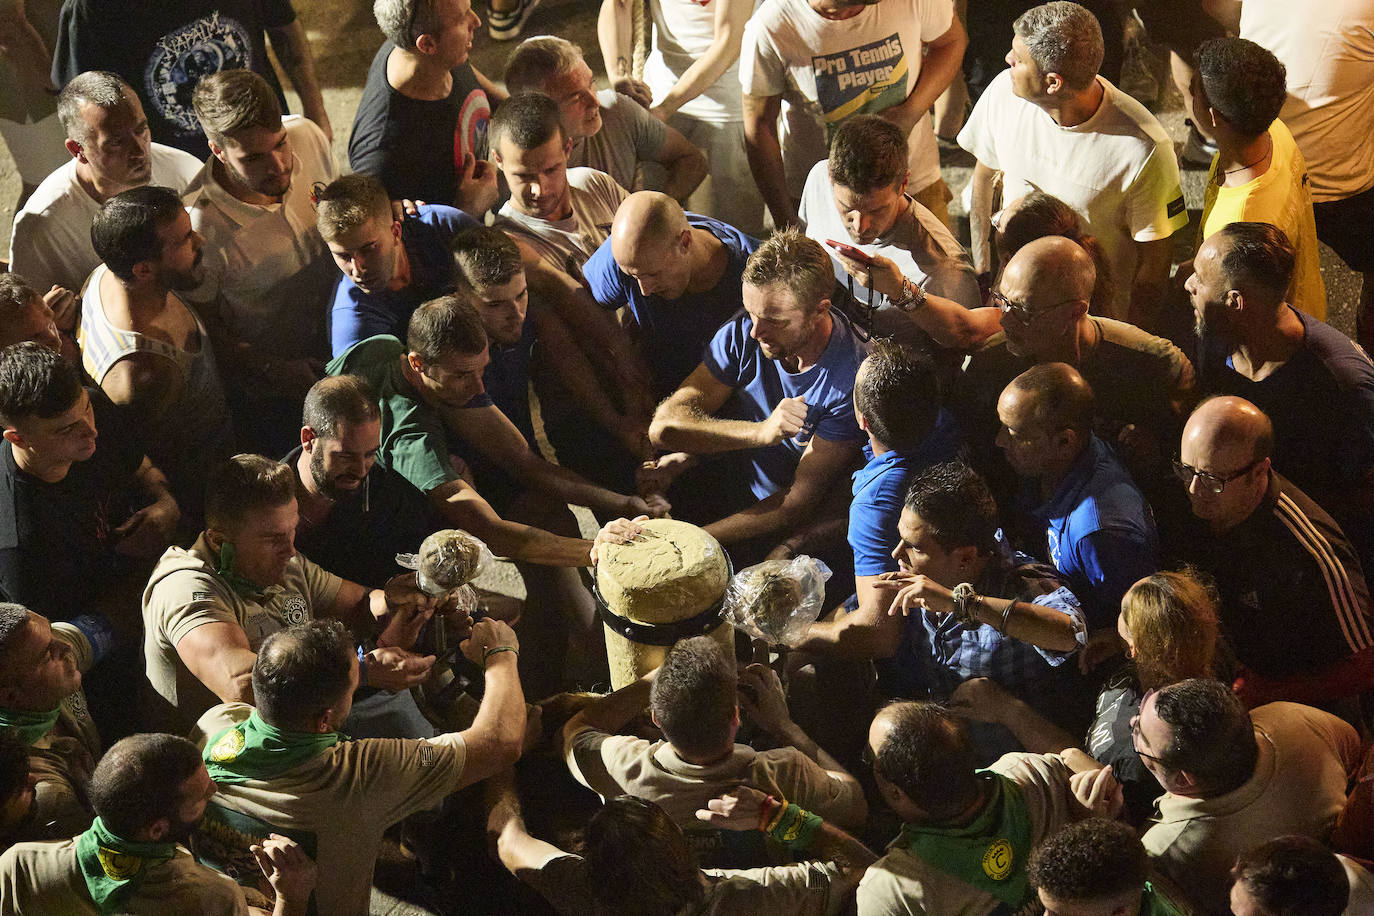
x=184, y=592
x=335, y=805
x=37, y=879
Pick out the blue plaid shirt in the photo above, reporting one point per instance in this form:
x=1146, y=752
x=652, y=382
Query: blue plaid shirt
x=938, y=653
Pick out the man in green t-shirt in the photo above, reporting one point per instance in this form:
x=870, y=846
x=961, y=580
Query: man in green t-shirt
x=434, y=404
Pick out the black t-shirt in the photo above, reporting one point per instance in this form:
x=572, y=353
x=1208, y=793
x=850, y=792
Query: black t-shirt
x=57, y=540
x=366, y=529
x=162, y=49
x=415, y=147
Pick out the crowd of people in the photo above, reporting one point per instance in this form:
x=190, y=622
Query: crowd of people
x=1096, y=639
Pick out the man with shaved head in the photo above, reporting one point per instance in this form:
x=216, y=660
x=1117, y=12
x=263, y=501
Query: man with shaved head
x=1313, y=382
x=1141, y=384
x=678, y=274
x=1078, y=506
x=1294, y=604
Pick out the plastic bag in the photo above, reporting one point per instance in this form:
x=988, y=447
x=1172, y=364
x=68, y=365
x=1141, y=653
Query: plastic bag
x=447, y=560
x=777, y=600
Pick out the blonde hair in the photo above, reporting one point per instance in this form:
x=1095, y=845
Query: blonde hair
x=1172, y=618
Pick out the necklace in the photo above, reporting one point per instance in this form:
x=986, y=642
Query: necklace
x=1252, y=164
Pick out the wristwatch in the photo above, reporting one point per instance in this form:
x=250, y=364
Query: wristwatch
x=913, y=298
x=966, y=603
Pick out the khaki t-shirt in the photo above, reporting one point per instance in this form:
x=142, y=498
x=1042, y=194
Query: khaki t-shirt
x=336, y=806
x=65, y=757
x=803, y=889
x=901, y=883
x=1298, y=786
x=612, y=765
x=43, y=879
x=184, y=592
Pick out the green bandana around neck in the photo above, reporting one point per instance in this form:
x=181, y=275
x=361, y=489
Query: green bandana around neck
x=255, y=750
x=29, y=726
x=242, y=585
x=113, y=868
x=990, y=853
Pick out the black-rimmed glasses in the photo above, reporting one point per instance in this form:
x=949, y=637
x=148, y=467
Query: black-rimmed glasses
x=1212, y=483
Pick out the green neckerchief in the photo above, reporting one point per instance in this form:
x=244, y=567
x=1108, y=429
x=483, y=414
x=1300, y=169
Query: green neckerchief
x=114, y=868
x=990, y=853
x=29, y=726
x=255, y=750
x=242, y=585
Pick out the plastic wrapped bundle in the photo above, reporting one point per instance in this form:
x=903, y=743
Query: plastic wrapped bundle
x=447, y=560
x=777, y=600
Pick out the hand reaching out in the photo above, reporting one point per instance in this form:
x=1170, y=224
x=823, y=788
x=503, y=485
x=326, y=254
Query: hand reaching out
x=619, y=531
x=1097, y=791
x=786, y=421
x=739, y=809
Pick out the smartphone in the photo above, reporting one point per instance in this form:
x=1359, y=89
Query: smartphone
x=849, y=251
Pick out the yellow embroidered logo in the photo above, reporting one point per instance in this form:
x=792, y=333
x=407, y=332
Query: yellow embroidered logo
x=227, y=748
x=997, y=860
x=117, y=865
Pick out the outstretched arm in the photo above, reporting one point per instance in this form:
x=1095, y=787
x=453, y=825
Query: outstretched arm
x=821, y=465
x=293, y=51
x=731, y=16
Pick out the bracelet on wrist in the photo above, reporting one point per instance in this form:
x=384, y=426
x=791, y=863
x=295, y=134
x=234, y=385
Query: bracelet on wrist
x=1006, y=616
x=776, y=813
x=492, y=650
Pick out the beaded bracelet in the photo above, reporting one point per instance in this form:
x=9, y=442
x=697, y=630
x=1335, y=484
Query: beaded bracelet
x=489, y=652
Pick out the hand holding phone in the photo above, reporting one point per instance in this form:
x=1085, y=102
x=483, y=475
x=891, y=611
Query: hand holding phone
x=849, y=251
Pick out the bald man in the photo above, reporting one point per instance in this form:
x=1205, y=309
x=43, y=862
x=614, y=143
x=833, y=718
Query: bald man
x=1293, y=598
x=1078, y=507
x=678, y=273
x=1142, y=384
x=1314, y=383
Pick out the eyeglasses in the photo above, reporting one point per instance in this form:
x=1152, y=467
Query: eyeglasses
x=1135, y=731
x=1023, y=313
x=1211, y=483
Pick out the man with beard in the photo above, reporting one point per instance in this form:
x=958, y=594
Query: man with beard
x=773, y=394
x=268, y=273
x=149, y=792
x=355, y=514
x=145, y=348
x=1314, y=383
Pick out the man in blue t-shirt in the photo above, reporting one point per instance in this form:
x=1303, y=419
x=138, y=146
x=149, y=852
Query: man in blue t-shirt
x=1078, y=506
x=389, y=266
x=1313, y=382
x=897, y=403
x=677, y=274
x=775, y=386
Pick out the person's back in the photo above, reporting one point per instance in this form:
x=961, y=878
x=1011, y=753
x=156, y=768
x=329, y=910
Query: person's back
x=693, y=698
x=284, y=768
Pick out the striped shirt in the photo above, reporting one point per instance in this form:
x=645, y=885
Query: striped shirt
x=1293, y=596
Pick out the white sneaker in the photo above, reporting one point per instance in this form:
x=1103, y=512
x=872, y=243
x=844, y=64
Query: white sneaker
x=503, y=25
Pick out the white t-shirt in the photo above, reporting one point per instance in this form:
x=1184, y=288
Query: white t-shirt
x=827, y=71
x=51, y=242
x=566, y=244
x=1329, y=54
x=683, y=32
x=923, y=247
x=1116, y=170
x=269, y=264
